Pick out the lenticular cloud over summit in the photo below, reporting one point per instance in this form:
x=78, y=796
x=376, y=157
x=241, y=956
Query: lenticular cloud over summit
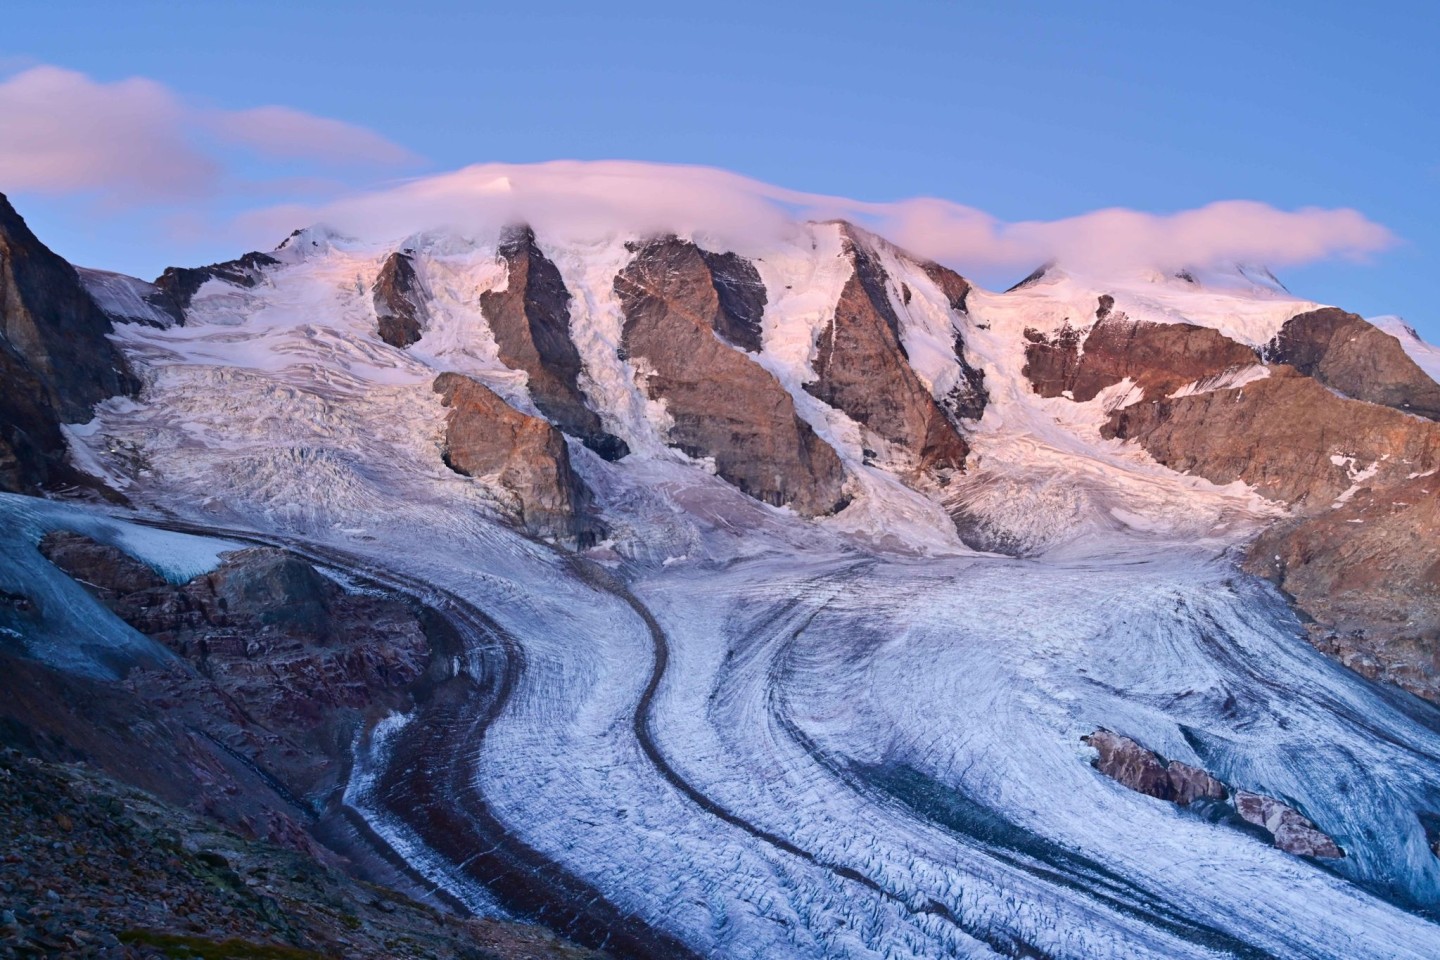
x=581, y=200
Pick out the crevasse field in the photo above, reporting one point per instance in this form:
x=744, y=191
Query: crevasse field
x=769, y=737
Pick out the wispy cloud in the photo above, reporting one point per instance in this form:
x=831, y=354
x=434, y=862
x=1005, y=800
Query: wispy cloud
x=136, y=141
x=581, y=200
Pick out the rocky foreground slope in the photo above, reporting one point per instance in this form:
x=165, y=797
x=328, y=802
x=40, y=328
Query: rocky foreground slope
x=609, y=585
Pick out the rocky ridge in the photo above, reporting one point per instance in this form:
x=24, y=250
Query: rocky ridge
x=861, y=367
x=530, y=320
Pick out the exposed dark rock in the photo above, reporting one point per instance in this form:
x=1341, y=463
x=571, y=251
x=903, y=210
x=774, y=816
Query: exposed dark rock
x=861, y=368
x=1364, y=570
x=93, y=867
x=955, y=287
x=181, y=284
x=1287, y=435
x=967, y=399
x=742, y=299
x=1158, y=357
x=1348, y=353
x=530, y=320
x=1144, y=771
x=525, y=456
x=399, y=297
x=722, y=403
x=1191, y=784
x=56, y=361
x=1293, y=833
x=1033, y=277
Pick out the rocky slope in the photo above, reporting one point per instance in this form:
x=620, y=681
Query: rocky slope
x=94, y=868
x=1351, y=355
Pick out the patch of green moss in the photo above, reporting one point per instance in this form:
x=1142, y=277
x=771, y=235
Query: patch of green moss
x=182, y=947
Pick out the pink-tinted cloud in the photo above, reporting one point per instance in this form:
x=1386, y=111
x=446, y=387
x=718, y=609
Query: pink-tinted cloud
x=64, y=133
x=282, y=132
x=137, y=141
x=579, y=200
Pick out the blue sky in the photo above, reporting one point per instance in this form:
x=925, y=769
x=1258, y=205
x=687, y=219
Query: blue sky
x=1038, y=111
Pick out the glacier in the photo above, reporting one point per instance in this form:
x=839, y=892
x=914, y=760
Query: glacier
x=728, y=731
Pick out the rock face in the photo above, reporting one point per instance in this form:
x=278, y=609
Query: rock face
x=1128, y=763
x=1368, y=574
x=56, y=362
x=1286, y=435
x=399, y=298
x=861, y=367
x=530, y=320
x=180, y=284
x=524, y=455
x=1159, y=357
x=968, y=398
x=1348, y=353
x=1293, y=833
x=723, y=404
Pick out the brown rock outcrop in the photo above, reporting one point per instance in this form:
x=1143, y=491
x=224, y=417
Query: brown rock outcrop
x=1348, y=353
x=861, y=367
x=399, y=297
x=530, y=320
x=1286, y=435
x=1144, y=771
x=1159, y=357
x=525, y=456
x=722, y=403
x=56, y=361
x=1368, y=574
x=1293, y=833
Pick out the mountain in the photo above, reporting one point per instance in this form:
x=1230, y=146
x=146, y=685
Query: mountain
x=793, y=597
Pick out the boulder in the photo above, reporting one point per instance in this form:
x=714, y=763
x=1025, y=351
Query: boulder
x=1131, y=765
